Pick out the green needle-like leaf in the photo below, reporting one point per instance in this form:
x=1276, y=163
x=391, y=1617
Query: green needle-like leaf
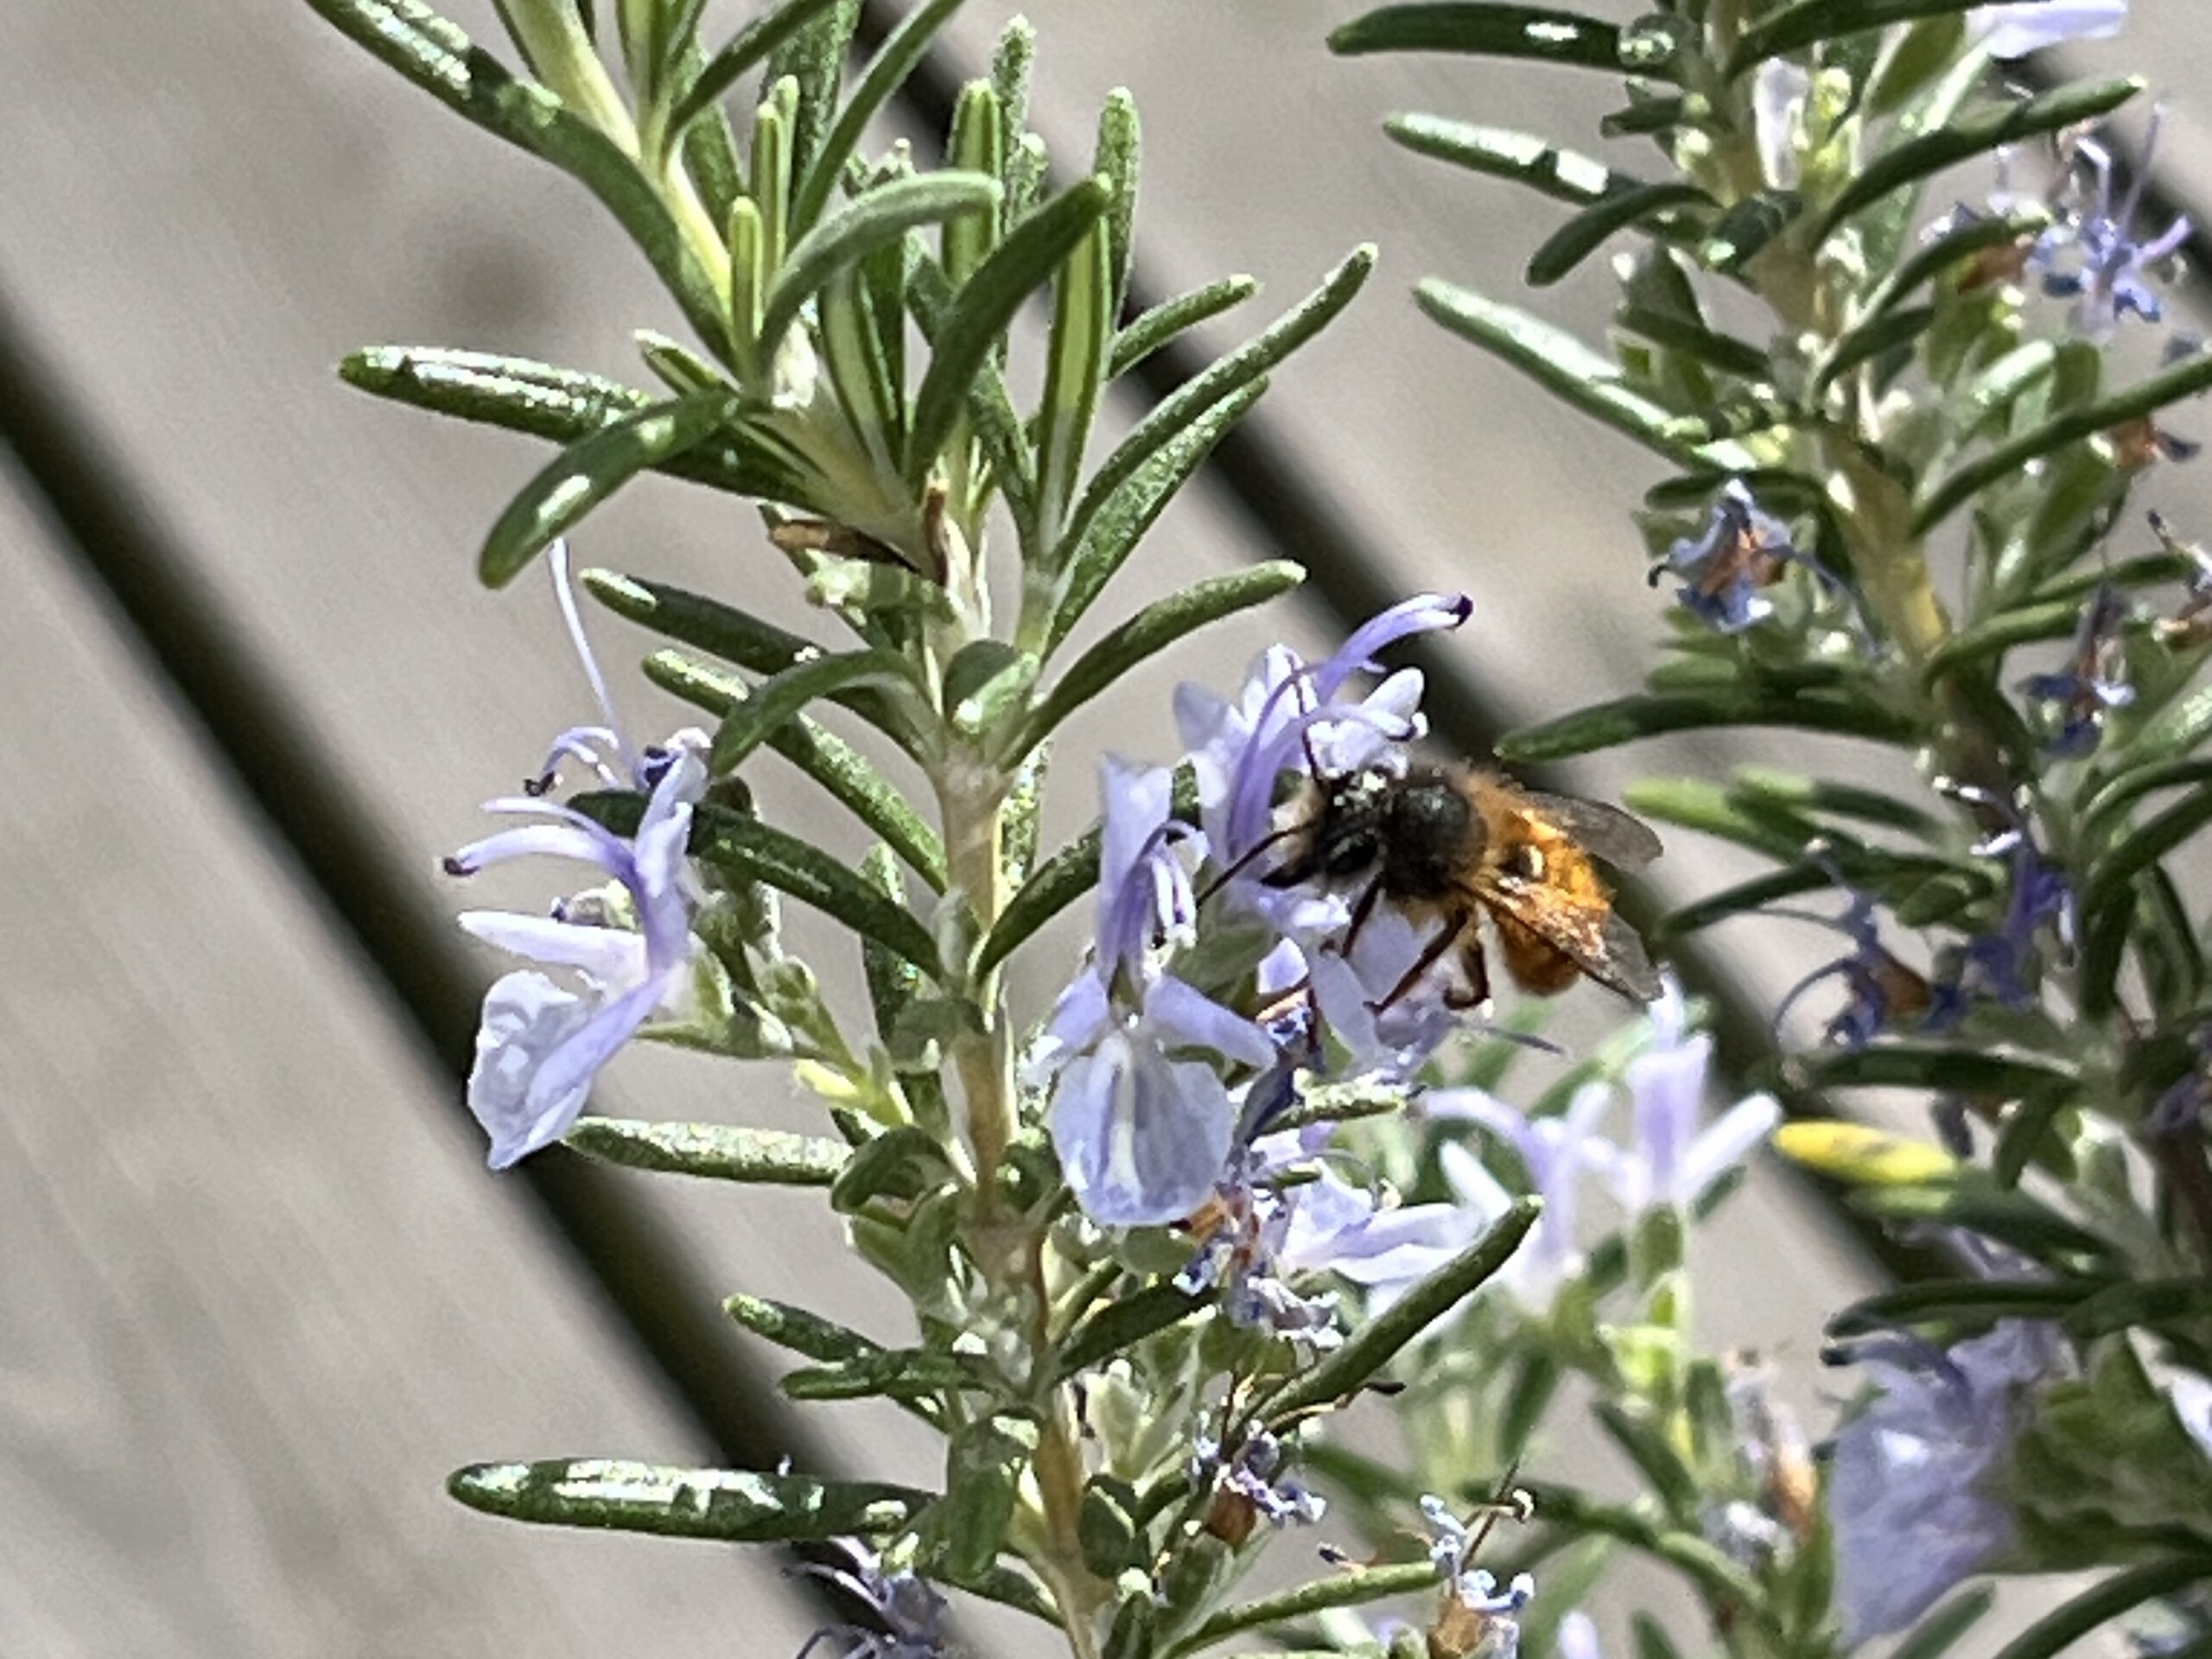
x=1588, y=230
x=2101, y=815
x=716, y=1152
x=589, y=472
x=439, y=57
x=1692, y=339
x=884, y=215
x=894, y=1374
x=1625, y=720
x=1562, y=175
x=801, y=1332
x=565, y=405
x=731, y=1505
x=1556, y=360
x=783, y=696
x=1121, y=1325
x=736, y=636
x=1154, y=328
x=1645, y=1444
x=1378, y=1341
x=1151, y=631
x=1352, y=1588
x=900, y=55
x=1118, y=159
x=2147, y=1302
x=1721, y=1580
x=513, y=391
x=1075, y=370
x=1056, y=884
x=1951, y=1070
x=1122, y=522
x=1492, y=30
x=1953, y=1302
x=753, y=44
x=1977, y=134
x=850, y=777
x=1976, y=236
x=984, y=307
x=2008, y=1217
x=1176, y=413
x=2108, y=897
x=1940, y=1631
x=2185, y=379
x=1886, y=333
x=2052, y=620
x=1811, y=20
x=750, y=850
x=2094, y=1608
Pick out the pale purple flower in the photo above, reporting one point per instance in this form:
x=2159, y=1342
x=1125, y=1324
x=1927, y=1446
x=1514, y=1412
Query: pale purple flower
x=909, y=1608
x=1915, y=1493
x=1290, y=720
x=1673, y=1162
x=2180, y=1109
x=541, y=1043
x=1140, y=1114
x=1780, y=90
x=1742, y=550
x=2092, y=683
x=1480, y=1604
x=1577, y=1638
x=1264, y=1228
x=1355, y=1232
x=1555, y=1150
x=1883, y=993
x=2040, y=898
x=1256, y=1473
x=2108, y=277
x=2191, y=1396
x=2015, y=30
x=1242, y=1231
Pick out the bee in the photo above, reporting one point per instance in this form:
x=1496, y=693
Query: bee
x=1444, y=845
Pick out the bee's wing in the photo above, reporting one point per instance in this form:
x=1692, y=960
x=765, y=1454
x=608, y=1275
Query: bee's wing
x=1623, y=841
x=1589, y=935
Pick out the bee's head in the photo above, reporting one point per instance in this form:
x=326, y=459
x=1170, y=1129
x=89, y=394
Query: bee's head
x=1340, y=829
x=1429, y=831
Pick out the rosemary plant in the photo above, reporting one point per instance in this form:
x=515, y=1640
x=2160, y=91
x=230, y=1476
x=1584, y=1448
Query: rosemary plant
x=1254, y=1166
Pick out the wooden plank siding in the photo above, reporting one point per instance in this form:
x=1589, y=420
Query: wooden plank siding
x=258, y=1301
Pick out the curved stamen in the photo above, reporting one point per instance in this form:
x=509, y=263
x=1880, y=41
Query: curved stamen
x=564, y=592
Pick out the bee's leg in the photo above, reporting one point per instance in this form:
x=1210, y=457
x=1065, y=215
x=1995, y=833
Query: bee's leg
x=1446, y=936
x=1363, y=907
x=1474, y=962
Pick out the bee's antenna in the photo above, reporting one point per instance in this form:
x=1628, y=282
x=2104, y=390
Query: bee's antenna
x=1244, y=860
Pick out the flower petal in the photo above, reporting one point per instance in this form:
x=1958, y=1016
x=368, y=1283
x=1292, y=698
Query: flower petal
x=1187, y=1017
x=1728, y=1142
x=1778, y=94
x=1142, y=1139
x=1083, y=1011
x=1423, y=613
x=543, y=841
x=1667, y=1088
x=613, y=956
x=564, y=1077
x=2015, y=30
x=526, y=1017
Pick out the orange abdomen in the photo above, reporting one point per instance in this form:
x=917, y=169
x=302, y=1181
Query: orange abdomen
x=1535, y=965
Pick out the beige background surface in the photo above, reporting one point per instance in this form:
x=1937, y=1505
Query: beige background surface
x=262, y=1295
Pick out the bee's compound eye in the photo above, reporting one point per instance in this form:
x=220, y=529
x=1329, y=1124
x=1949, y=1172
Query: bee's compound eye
x=1527, y=863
